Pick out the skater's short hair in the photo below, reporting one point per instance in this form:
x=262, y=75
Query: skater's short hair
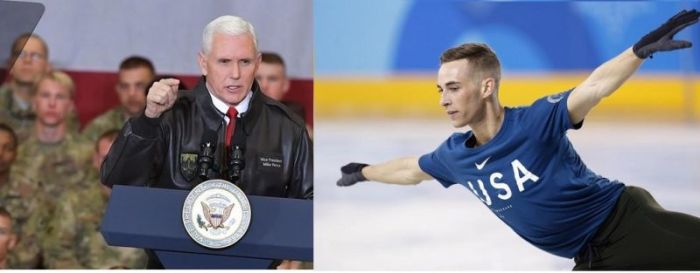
x=479, y=56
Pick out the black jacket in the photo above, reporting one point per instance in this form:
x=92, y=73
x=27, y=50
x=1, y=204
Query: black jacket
x=164, y=152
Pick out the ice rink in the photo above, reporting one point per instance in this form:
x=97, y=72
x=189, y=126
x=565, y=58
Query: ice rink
x=387, y=227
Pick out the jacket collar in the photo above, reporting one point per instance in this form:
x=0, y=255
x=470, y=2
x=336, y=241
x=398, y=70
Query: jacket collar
x=213, y=118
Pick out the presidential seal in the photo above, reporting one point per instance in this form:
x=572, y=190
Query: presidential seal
x=216, y=213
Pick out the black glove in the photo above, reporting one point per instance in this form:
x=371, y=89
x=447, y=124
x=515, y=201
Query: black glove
x=352, y=173
x=661, y=39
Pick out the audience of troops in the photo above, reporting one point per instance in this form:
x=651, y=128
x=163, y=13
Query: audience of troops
x=51, y=199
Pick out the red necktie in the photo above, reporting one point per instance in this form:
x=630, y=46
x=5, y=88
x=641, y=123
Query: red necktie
x=232, y=114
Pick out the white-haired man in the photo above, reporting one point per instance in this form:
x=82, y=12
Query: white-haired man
x=226, y=109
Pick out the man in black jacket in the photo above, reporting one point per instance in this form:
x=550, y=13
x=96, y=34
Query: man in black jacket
x=225, y=128
x=164, y=147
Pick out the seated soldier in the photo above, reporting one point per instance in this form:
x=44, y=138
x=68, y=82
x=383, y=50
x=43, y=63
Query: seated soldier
x=50, y=162
x=28, y=62
x=135, y=73
x=18, y=197
x=74, y=240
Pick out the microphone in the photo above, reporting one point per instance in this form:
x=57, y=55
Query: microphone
x=206, y=159
x=236, y=163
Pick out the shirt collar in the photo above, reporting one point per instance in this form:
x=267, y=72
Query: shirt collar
x=222, y=107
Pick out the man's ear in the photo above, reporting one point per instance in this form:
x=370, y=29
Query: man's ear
x=286, y=85
x=257, y=62
x=202, y=60
x=488, y=87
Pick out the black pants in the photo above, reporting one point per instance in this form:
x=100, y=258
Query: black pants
x=639, y=234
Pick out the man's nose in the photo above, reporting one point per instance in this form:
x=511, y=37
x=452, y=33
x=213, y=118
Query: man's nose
x=236, y=71
x=27, y=59
x=444, y=101
x=133, y=90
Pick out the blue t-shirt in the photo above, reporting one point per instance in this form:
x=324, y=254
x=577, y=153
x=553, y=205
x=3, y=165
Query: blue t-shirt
x=531, y=177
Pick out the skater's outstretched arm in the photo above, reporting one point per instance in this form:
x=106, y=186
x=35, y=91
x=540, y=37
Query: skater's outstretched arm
x=612, y=74
x=402, y=171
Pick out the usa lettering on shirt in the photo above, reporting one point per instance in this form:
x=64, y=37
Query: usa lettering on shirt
x=521, y=175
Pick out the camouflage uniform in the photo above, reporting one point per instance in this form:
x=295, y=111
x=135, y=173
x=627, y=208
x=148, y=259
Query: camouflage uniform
x=111, y=120
x=53, y=167
x=29, y=208
x=38, y=176
x=22, y=120
x=75, y=241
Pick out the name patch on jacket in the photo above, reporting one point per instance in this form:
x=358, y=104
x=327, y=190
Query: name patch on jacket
x=270, y=162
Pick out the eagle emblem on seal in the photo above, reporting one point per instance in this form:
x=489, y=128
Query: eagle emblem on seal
x=216, y=219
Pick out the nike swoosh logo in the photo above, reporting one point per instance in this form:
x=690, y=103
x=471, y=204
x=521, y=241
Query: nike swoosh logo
x=481, y=166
